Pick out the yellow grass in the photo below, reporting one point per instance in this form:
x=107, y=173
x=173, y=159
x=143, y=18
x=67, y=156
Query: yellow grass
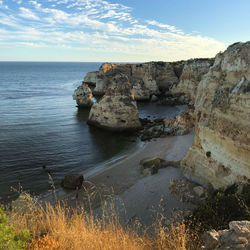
x=58, y=227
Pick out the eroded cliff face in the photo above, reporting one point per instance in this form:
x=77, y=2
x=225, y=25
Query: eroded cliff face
x=190, y=77
x=220, y=154
x=146, y=79
x=117, y=110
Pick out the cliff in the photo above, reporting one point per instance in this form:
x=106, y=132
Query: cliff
x=153, y=78
x=220, y=91
x=220, y=154
x=190, y=77
x=146, y=78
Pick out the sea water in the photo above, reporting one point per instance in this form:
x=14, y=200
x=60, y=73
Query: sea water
x=40, y=125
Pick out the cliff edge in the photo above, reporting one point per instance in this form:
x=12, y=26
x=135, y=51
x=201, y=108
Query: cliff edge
x=220, y=154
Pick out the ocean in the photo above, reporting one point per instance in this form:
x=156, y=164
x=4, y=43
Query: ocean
x=41, y=125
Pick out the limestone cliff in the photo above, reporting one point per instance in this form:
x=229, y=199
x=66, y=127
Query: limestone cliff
x=146, y=78
x=220, y=154
x=117, y=110
x=190, y=77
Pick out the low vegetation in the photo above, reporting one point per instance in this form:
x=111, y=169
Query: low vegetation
x=9, y=239
x=60, y=227
x=36, y=226
x=221, y=208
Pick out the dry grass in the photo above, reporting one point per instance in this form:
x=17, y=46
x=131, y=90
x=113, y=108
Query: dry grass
x=59, y=227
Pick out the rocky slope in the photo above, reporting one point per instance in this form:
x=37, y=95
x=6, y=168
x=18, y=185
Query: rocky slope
x=220, y=154
x=117, y=110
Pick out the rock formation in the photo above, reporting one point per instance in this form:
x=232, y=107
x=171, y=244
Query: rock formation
x=236, y=237
x=83, y=96
x=117, y=110
x=181, y=124
x=147, y=79
x=72, y=181
x=190, y=77
x=154, y=78
x=220, y=154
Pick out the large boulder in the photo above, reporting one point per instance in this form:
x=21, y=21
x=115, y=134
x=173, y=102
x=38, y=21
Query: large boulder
x=72, y=181
x=236, y=237
x=83, y=96
x=117, y=110
x=220, y=154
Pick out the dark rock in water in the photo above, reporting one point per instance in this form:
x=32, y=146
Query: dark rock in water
x=72, y=181
x=173, y=100
x=145, y=121
x=152, y=129
x=154, y=98
x=158, y=120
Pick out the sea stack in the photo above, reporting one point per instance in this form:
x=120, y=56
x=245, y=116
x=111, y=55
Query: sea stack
x=83, y=96
x=117, y=110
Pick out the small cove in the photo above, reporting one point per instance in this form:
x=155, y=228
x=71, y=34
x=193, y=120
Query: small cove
x=40, y=125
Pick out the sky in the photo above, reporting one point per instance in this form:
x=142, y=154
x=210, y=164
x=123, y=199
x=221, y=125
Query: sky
x=120, y=30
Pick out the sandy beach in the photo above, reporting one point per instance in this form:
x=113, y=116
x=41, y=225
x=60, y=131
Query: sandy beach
x=134, y=194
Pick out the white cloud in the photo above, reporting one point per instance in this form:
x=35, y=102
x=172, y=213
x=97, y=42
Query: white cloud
x=165, y=26
x=27, y=13
x=102, y=27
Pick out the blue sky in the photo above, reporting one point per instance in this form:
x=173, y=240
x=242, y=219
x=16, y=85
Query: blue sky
x=120, y=30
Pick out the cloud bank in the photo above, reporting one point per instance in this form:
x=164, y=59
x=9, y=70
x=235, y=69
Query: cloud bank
x=98, y=26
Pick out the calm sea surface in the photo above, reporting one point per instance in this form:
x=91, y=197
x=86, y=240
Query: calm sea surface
x=40, y=125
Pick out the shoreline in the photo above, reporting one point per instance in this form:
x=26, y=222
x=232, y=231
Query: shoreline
x=136, y=192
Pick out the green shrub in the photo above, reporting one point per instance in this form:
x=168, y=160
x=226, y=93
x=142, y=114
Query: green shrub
x=224, y=206
x=8, y=238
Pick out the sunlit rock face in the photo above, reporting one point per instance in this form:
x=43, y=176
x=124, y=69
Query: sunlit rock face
x=83, y=96
x=147, y=79
x=220, y=154
x=190, y=77
x=117, y=110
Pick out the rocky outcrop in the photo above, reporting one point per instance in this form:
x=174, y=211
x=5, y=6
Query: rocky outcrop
x=83, y=96
x=220, y=154
x=153, y=129
x=236, y=237
x=152, y=165
x=181, y=124
x=117, y=110
x=190, y=77
x=168, y=79
x=91, y=78
x=147, y=79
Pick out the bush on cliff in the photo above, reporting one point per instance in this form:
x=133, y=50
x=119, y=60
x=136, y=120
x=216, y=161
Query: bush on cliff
x=224, y=206
x=9, y=239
